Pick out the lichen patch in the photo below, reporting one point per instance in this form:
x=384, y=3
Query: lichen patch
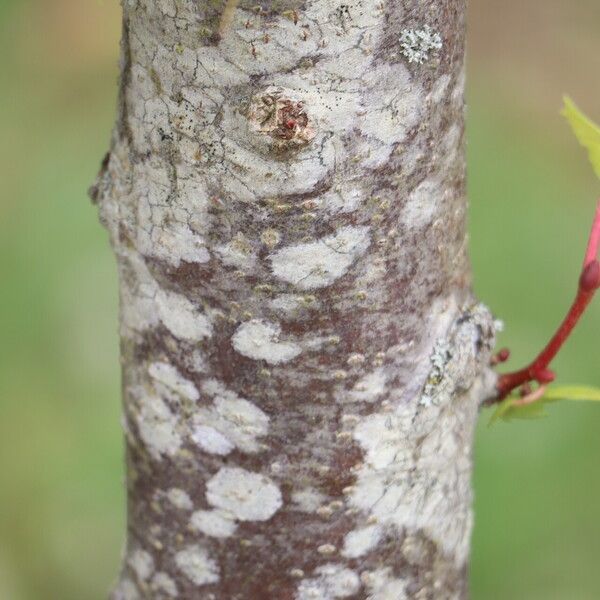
x=361, y=541
x=163, y=583
x=332, y=581
x=248, y=496
x=230, y=422
x=418, y=44
x=142, y=564
x=382, y=585
x=180, y=499
x=213, y=523
x=318, y=264
x=195, y=563
x=169, y=376
x=308, y=500
x=126, y=590
x=158, y=426
x=210, y=439
x=260, y=340
x=368, y=388
x=181, y=317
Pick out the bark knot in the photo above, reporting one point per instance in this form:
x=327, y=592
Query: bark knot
x=277, y=115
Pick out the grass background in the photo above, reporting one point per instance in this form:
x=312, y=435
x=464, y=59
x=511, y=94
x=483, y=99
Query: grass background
x=537, y=533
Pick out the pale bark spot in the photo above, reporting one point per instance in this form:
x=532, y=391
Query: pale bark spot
x=332, y=581
x=214, y=523
x=142, y=563
x=436, y=498
x=230, y=422
x=248, y=496
x=423, y=204
x=289, y=306
x=168, y=7
x=126, y=590
x=369, y=388
x=174, y=243
x=169, y=376
x=382, y=441
x=211, y=440
x=195, y=563
x=383, y=586
x=138, y=307
x=318, y=264
x=237, y=253
x=181, y=317
x=259, y=340
x=308, y=500
x=361, y=541
x=180, y=499
x=391, y=114
x=157, y=426
x=163, y=583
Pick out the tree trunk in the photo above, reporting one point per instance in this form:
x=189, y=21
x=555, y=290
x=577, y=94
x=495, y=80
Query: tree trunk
x=303, y=359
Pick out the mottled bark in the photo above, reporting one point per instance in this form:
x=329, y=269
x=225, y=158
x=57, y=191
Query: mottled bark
x=302, y=355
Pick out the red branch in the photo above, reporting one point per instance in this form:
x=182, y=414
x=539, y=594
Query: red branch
x=589, y=282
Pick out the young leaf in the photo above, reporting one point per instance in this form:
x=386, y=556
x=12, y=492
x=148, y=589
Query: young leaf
x=586, y=131
x=572, y=392
x=510, y=408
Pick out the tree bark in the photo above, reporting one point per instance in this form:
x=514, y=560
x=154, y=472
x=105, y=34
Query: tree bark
x=303, y=359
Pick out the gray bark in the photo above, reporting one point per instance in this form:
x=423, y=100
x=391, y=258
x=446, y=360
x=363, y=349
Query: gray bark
x=302, y=355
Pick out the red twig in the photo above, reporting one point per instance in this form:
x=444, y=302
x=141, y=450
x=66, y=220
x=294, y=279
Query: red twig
x=589, y=281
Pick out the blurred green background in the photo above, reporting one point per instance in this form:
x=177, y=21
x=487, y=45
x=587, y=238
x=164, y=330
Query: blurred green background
x=537, y=533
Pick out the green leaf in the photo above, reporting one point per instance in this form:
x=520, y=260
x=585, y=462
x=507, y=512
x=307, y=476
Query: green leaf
x=586, y=131
x=572, y=392
x=509, y=408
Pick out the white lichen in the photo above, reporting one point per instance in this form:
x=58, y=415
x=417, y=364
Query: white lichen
x=368, y=388
x=382, y=585
x=166, y=229
x=157, y=425
x=289, y=306
x=308, y=500
x=259, y=340
x=163, y=583
x=230, y=422
x=361, y=541
x=320, y=263
x=195, y=563
x=179, y=499
x=181, y=317
x=238, y=252
x=435, y=498
x=126, y=590
x=214, y=523
x=169, y=376
x=175, y=244
x=331, y=581
x=423, y=204
x=454, y=363
x=434, y=388
x=142, y=563
x=248, y=496
x=209, y=439
x=417, y=44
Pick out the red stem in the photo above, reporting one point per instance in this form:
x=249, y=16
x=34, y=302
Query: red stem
x=594, y=241
x=589, y=281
